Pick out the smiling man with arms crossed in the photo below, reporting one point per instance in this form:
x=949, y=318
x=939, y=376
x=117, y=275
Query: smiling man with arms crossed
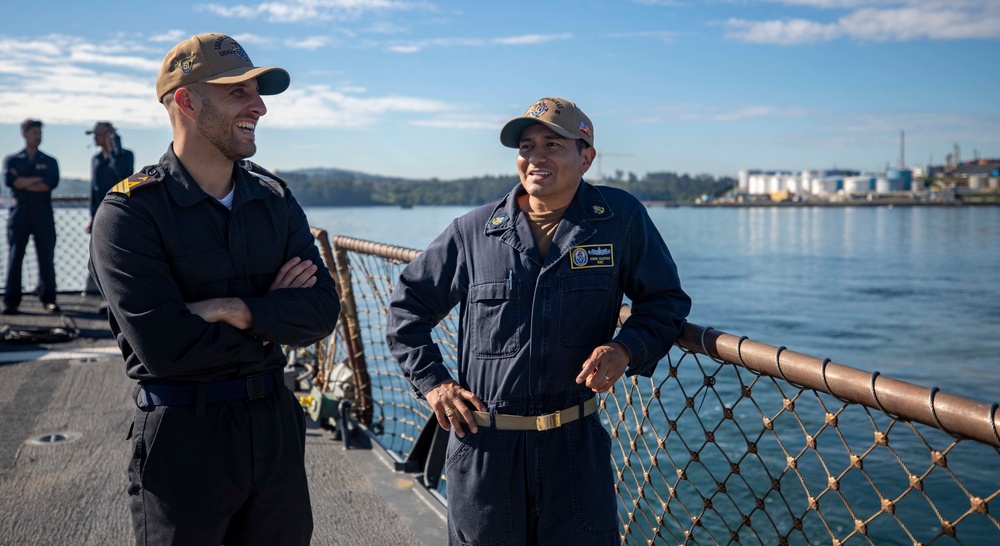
x=208, y=266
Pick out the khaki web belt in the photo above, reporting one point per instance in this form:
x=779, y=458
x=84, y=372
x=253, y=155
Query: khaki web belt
x=539, y=422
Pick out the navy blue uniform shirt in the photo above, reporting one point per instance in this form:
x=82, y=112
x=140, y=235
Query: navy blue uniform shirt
x=43, y=165
x=527, y=324
x=106, y=171
x=159, y=241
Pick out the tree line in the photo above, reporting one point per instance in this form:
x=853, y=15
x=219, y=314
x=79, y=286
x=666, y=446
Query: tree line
x=330, y=187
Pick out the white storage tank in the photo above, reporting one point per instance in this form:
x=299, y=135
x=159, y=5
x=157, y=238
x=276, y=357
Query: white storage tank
x=858, y=184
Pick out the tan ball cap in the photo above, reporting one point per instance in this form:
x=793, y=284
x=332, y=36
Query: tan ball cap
x=215, y=58
x=102, y=126
x=560, y=115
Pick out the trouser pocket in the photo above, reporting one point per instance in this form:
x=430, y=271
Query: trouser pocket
x=595, y=505
x=479, y=501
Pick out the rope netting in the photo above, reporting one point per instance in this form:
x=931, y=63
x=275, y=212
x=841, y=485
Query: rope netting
x=775, y=449
x=72, y=248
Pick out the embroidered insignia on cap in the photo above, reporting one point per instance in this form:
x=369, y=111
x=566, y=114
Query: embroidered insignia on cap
x=598, y=209
x=537, y=109
x=187, y=63
x=589, y=256
x=584, y=128
x=498, y=220
x=240, y=52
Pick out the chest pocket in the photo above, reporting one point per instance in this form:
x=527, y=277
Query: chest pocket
x=265, y=259
x=495, y=319
x=201, y=275
x=586, y=310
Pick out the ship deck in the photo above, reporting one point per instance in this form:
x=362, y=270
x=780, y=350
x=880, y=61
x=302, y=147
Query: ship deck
x=66, y=410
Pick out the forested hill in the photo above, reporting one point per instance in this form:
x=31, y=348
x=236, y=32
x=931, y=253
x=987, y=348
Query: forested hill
x=338, y=188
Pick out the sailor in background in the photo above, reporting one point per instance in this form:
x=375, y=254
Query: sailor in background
x=539, y=276
x=109, y=166
x=31, y=175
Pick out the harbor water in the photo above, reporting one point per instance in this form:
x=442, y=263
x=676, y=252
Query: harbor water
x=906, y=291
x=911, y=292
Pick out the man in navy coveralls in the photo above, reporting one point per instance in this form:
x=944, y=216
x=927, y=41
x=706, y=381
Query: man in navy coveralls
x=539, y=276
x=31, y=175
x=109, y=166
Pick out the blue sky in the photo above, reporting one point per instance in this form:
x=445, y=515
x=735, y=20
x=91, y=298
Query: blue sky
x=421, y=88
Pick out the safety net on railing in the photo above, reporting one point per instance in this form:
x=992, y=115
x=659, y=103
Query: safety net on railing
x=72, y=248
x=730, y=440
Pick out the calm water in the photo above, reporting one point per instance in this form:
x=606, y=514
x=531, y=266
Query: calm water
x=912, y=292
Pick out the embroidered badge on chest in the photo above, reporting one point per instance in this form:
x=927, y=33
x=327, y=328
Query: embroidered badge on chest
x=588, y=256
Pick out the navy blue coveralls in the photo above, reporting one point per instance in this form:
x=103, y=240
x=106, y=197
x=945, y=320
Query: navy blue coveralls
x=106, y=171
x=526, y=327
x=31, y=215
x=218, y=441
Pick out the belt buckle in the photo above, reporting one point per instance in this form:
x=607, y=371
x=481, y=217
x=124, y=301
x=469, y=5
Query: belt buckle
x=548, y=421
x=255, y=387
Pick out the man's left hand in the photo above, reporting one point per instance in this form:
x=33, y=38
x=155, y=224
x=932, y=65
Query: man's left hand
x=604, y=366
x=296, y=273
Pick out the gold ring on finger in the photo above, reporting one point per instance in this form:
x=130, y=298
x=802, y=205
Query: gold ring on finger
x=448, y=412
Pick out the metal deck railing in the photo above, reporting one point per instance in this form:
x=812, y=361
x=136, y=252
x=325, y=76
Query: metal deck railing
x=730, y=441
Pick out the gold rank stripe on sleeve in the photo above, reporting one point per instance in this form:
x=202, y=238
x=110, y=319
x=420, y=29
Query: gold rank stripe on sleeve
x=125, y=186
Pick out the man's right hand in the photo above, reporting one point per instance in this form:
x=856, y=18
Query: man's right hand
x=296, y=273
x=451, y=396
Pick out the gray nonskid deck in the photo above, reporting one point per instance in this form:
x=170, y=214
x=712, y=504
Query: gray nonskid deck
x=73, y=491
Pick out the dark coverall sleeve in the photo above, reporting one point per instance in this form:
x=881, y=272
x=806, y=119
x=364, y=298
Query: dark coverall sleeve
x=122, y=163
x=427, y=290
x=51, y=178
x=659, y=306
x=296, y=316
x=8, y=175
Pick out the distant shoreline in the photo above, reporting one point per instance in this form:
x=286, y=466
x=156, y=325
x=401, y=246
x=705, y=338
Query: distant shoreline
x=7, y=201
x=846, y=204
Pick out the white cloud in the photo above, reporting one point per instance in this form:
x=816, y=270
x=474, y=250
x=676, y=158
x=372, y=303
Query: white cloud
x=299, y=11
x=751, y=112
x=312, y=42
x=170, y=37
x=253, y=39
x=531, y=39
x=877, y=21
x=795, y=31
x=525, y=39
x=663, y=35
x=70, y=80
x=385, y=27
x=701, y=112
x=319, y=106
x=461, y=122
x=89, y=54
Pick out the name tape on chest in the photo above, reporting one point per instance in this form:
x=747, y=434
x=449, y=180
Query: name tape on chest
x=588, y=256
